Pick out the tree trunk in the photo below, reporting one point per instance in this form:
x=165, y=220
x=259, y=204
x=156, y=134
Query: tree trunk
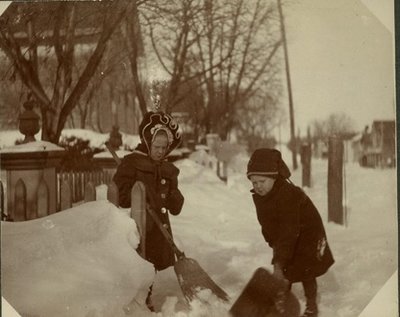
x=115, y=16
x=134, y=37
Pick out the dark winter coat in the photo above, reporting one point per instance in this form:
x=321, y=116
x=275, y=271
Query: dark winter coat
x=161, y=183
x=293, y=228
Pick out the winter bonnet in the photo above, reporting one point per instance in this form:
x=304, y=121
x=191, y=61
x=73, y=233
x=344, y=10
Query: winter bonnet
x=154, y=122
x=267, y=162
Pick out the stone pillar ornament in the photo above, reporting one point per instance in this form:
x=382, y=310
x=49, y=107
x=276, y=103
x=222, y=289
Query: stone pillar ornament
x=156, y=103
x=29, y=122
x=105, y=160
x=157, y=90
x=115, y=140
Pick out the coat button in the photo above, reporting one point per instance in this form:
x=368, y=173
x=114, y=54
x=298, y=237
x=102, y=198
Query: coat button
x=165, y=226
x=163, y=181
x=163, y=210
x=163, y=196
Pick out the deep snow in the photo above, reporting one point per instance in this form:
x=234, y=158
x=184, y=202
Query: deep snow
x=81, y=262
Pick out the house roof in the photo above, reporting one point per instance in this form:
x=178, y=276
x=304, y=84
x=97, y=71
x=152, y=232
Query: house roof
x=385, y=128
x=386, y=125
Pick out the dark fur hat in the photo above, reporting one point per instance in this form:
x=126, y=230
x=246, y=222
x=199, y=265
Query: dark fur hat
x=267, y=162
x=154, y=122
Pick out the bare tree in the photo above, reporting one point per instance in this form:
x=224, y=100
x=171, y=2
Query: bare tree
x=227, y=47
x=59, y=34
x=169, y=26
x=338, y=124
x=247, y=34
x=257, y=119
x=133, y=43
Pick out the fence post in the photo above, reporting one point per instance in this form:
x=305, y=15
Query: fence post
x=335, y=180
x=4, y=216
x=112, y=194
x=65, y=195
x=59, y=180
x=82, y=184
x=71, y=187
x=79, y=191
x=90, y=192
x=102, y=177
x=306, y=164
x=20, y=201
x=222, y=173
x=75, y=186
x=42, y=199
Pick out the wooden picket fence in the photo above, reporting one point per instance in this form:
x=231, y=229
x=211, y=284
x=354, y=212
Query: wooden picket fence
x=78, y=180
x=72, y=188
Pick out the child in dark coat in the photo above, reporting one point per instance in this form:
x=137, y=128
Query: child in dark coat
x=290, y=224
x=159, y=135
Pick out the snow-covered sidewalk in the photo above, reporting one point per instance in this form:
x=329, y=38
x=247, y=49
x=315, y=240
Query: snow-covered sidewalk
x=81, y=262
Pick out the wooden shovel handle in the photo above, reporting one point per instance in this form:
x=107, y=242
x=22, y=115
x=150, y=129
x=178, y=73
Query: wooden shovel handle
x=165, y=232
x=114, y=155
x=153, y=215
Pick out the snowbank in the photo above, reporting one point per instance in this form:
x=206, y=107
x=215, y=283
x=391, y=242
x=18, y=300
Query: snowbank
x=79, y=262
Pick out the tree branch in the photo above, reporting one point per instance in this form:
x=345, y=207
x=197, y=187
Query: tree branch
x=117, y=11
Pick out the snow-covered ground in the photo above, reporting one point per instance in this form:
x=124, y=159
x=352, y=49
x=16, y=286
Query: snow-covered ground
x=81, y=262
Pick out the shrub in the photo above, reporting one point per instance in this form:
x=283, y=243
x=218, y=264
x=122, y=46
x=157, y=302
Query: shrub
x=79, y=154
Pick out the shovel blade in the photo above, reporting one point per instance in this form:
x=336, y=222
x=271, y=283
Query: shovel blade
x=258, y=298
x=192, y=279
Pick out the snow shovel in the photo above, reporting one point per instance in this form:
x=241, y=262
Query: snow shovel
x=191, y=277
x=265, y=296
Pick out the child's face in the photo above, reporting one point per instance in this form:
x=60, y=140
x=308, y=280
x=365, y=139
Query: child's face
x=262, y=184
x=159, y=147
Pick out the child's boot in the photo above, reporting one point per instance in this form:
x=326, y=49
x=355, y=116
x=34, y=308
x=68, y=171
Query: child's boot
x=310, y=291
x=311, y=310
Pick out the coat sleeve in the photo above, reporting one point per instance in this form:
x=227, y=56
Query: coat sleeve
x=175, y=199
x=266, y=236
x=288, y=227
x=124, y=178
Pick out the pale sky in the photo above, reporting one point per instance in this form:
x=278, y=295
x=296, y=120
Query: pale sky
x=341, y=59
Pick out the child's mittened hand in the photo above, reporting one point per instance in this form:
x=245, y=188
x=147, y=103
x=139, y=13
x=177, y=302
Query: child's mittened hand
x=278, y=272
x=280, y=301
x=284, y=288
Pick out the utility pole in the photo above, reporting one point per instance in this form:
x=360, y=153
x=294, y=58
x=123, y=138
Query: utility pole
x=289, y=87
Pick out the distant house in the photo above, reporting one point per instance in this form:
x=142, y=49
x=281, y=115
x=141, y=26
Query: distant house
x=320, y=149
x=353, y=149
x=379, y=145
